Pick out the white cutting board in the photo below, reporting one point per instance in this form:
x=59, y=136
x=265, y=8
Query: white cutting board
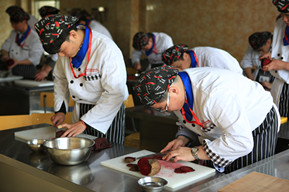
x=175, y=180
x=42, y=133
x=32, y=83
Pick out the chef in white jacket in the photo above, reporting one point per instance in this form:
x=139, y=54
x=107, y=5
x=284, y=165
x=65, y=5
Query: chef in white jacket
x=234, y=118
x=279, y=66
x=91, y=69
x=182, y=58
x=86, y=19
x=260, y=44
x=152, y=45
x=22, y=48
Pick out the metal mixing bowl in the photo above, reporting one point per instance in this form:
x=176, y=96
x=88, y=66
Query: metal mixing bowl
x=36, y=144
x=69, y=150
x=152, y=184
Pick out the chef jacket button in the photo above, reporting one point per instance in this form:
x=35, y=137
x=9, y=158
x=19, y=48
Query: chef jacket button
x=81, y=84
x=184, y=121
x=71, y=81
x=79, y=69
x=278, y=54
x=276, y=71
x=73, y=96
x=281, y=57
x=193, y=125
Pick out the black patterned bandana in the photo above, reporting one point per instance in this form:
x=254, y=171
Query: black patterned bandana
x=259, y=39
x=282, y=5
x=153, y=84
x=53, y=30
x=140, y=40
x=174, y=53
x=17, y=14
x=48, y=10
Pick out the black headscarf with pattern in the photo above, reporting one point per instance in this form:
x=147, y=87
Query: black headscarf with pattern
x=48, y=10
x=53, y=30
x=258, y=39
x=140, y=40
x=174, y=53
x=282, y=5
x=152, y=84
x=17, y=14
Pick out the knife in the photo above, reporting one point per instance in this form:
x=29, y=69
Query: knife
x=158, y=155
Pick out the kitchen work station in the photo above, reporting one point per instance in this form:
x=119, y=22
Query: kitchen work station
x=132, y=96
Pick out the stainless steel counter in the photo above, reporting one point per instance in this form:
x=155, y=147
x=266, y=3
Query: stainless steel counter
x=36, y=172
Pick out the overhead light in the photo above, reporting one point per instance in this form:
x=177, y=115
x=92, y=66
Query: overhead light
x=100, y=9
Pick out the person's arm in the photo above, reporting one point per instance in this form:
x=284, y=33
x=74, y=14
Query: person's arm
x=43, y=73
x=276, y=64
x=248, y=72
x=135, y=59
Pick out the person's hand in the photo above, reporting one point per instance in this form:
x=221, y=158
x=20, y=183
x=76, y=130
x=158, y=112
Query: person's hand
x=176, y=143
x=40, y=75
x=180, y=154
x=137, y=66
x=274, y=65
x=57, y=119
x=73, y=129
x=266, y=55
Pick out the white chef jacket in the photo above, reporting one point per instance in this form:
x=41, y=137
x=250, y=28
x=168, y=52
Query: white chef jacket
x=31, y=22
x=162, y=42
x=106, y=87
x=97, y=26
x=31, y=50
x=230, y=106
x=279, y=51
x=214, y=57
x=252, y=60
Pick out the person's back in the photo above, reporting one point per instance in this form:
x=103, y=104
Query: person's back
x=214, y=57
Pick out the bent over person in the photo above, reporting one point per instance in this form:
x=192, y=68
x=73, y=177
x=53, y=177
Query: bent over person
x=91, y=69
x=234, y=118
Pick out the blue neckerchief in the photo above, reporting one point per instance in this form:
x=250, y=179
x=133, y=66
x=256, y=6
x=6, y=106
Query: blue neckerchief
x=78, y=58
x=193, y=59
x=87, y=22
x=285, y=39
x=151, y=50
x=19, y=41
x=189, y=93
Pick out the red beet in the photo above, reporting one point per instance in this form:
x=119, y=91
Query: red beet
x=148, y=166
x=132, y=167
x=184, y=169
x=265, y=61
x=129, y=159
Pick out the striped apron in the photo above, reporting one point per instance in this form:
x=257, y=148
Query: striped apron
x=27, y=71
x=116, y=131
x=284, y=101
x=265, y=140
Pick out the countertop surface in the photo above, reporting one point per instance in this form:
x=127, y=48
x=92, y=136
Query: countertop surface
x=90, y=175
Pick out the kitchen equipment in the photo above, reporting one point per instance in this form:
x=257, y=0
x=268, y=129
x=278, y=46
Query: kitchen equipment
x=36, y=144
x=33, y=83
x=175, y=180
x=69, y=150
x=47, y=133
x=255, y=182
x=152, y=184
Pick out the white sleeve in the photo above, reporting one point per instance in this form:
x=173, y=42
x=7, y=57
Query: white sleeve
x=247, y=59
x=61, y=92
x=135, y=57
